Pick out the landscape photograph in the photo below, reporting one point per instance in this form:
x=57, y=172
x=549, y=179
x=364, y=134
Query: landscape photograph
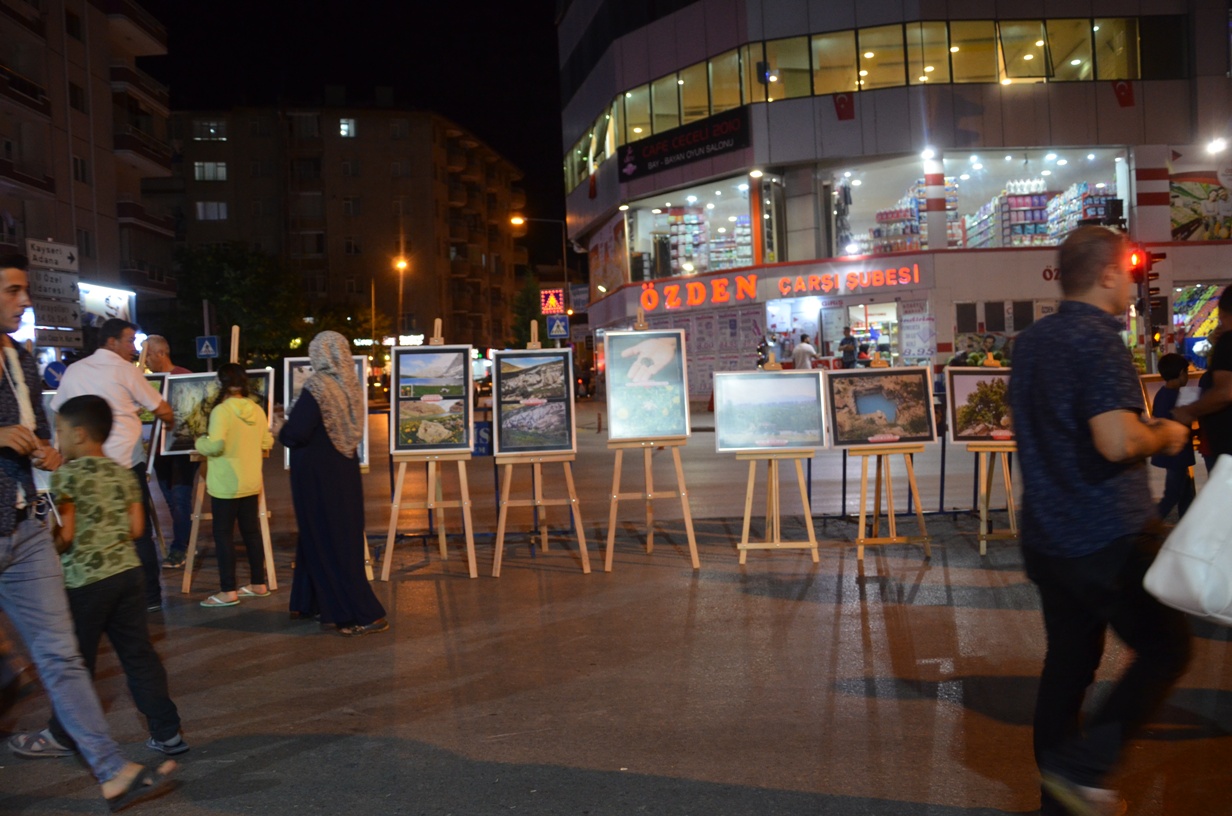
x=880, y=406
x=431, y=399
x=442, y=371
x=979, y=404
x=647, y=396
x=534, y=408
x=768, y=410
x=192, y=398
x=296, y=371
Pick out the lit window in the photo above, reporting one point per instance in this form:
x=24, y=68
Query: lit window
x=346, y=128
x=210, y=171
x=211, y=211
x=209, y=130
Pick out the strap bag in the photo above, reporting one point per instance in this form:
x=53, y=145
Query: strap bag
x=1193, y=571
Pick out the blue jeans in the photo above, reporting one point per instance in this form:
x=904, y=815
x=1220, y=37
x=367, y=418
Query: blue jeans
x=32, y=593
x=175, y=479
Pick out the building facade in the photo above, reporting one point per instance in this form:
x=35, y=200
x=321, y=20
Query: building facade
x=80, y=127
x=905, y=168
x=341, y=193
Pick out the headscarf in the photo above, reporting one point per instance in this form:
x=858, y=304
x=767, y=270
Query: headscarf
x=336, y=389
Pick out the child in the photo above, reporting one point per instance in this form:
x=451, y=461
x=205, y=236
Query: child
x=1178, y=484
x=100, y=513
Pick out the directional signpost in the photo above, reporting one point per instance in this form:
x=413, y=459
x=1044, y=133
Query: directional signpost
x=50, y=255
x=55, y=293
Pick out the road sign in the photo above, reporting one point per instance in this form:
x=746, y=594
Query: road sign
x=57, y=314
x=207, y=346
x=46, y=284
x=58, y=338
x=552, y=301
x=558, y=327
x=53, y=373
x=49, y=255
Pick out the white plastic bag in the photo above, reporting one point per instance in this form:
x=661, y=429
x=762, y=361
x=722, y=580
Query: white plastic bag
x=1193, y=571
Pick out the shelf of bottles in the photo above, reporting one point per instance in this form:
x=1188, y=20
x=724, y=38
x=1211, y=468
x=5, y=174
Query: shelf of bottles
x=1080, y=201
x=954, y=227
x=731, y=245
x=689, y=240
x=1016, y=217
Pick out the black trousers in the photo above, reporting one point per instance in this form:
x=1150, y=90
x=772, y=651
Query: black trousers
x=1081, y=598
x=116, y=606
x=1178, y=492
x=226, y=513
x=147, y=550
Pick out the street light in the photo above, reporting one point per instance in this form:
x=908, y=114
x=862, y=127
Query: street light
x=521, y=220
x=400, y=264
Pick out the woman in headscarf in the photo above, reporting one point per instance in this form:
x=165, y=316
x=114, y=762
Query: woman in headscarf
x=323, y=433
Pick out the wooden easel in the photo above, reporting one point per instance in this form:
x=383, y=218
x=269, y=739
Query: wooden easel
x=433, y=496
x=774, y=530
x=537, y=462
x=983, y=451
x=647, y=447
x=881, y=452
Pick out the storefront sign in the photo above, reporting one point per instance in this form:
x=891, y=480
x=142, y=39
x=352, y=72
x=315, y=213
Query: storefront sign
x=715, y=136
x=713, y=292
x=849, y=282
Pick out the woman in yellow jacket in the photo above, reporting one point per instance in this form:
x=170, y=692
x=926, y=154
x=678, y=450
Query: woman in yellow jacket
x=239, y=432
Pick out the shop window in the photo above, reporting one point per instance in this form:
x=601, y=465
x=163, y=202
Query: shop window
x=753, y=62
x=882, y=64
x=725, y=82
x=965, y=319
x=694, y=93
x=665, y=103
x=637, y=112
x=1116, y=48
x=834, y=59
x=994, y=316
x=973, y=50
x=1024, y=314
x=928, y=53
x=1069, y=49
x=787, y=69
x=618, y=122
x=1023, y=49
x=1163, y=47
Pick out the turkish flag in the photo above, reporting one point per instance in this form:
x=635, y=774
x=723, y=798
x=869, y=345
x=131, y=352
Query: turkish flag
x=845, y=106
x=1124, y=90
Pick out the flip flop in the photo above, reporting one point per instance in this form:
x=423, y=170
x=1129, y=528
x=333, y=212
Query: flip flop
x=148, y=784
x=246, y=592
x=39, y=745
x=216, y=601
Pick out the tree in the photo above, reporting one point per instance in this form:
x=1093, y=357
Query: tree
x=526, y=307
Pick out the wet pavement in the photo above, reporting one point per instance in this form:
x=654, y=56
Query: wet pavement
x=899, y=687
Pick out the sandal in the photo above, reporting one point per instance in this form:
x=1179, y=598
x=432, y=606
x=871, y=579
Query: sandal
x=39, y=745
x=246, y=592
x=216, y=601
x=147, y=784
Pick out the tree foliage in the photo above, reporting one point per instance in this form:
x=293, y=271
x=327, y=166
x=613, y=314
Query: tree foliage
x=986, y=408
x=526, y=307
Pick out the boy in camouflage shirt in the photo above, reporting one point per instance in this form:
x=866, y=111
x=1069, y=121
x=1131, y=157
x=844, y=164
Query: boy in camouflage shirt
x=101, y=512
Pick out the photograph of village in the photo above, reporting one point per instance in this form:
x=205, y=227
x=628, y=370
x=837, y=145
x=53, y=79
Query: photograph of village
x=767, y=410
x=534, y=411
x=880, y=406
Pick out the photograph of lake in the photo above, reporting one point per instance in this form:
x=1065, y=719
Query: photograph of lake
x=880, y=406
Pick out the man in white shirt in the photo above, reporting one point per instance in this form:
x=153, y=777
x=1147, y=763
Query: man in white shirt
x=109, y=373
x=803, y=355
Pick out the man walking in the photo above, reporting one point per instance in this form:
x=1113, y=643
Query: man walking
x=109, y=373
x=803, y=354
x=1090, y=529
x=31, y=583
x=847, y=348
x=175, y=474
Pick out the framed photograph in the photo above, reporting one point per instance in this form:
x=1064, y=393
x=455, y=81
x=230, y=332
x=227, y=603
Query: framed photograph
x=647, y=384
x=149, y=425
x=296, y=371
x=880, y=406
x=192, y=397
x=533, y=397
x=1151, y=385
x=978, y=404
x=768, y=410
x=431, y=397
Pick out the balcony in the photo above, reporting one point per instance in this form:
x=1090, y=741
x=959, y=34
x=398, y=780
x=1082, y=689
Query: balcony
x=473, y=171
x=24, y=91
x=131, y=213
x=455, y=161
x=457, y=231
x=477, y=236
x=476, y=274
x=458, y=267
x=517, y=198
x=127, y=79
x=457, y=195
x=474, y=202
x=28, y=175
x=151, y=156
x=34, y=23
x=134, y=30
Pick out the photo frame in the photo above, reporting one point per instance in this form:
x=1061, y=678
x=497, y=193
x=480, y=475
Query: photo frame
x=430, y=398
x=1152, y=383
x=768, y=411
x=192, y=396
x=296, y=371
x=149, y=423
x=532, y=396
x=978, y=404
x=880, y=406
x=647, y=385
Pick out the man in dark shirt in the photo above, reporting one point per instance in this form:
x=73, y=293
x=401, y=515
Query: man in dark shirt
x=847, y=348
x=1213, y=410
x=1089, y=526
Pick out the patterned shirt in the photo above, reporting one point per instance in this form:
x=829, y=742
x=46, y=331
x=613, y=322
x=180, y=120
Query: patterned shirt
x=101, y=492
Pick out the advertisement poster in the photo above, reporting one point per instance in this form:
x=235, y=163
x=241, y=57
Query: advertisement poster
x=727, y=332
x=1200, y=188
x=608, y=258
x=703, y=339
x=917, y=331
x=701, y=374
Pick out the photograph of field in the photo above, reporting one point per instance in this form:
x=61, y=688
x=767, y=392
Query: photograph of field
x=768, y=410
x=296, y=371
x=192, y=397
x=431, y=399
x=647, y=396
x=880, y=406
x=534, y=406
x=978, y=400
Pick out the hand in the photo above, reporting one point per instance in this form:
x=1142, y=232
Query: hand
x=19, y=438
x=46, y=457
x=1183, y=415
x=1173, y=436
x=277, y=419
x=652, y=355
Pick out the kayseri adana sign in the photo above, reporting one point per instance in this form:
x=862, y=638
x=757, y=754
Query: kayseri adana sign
x=715, y=136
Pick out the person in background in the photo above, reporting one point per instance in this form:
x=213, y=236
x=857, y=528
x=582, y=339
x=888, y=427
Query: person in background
x=1178, y=483
x=100, y=513
x=804, y=354
x=862, y=358
x=1089, y=528
x=324, y=432
x=1213, y=410
x=175, y=474
x=847, y=348
x=239, y=432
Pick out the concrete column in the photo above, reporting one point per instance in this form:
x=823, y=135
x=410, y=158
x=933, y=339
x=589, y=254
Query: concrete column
x=933, y=213
x=1150, y=216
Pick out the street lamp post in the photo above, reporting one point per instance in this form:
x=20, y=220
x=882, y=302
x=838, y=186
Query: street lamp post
x=520, y=220
x=400, y=265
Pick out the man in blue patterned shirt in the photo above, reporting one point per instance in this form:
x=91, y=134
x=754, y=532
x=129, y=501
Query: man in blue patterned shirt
x=1090, y=529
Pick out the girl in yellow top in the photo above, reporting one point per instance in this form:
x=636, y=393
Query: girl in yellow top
x=239, y=432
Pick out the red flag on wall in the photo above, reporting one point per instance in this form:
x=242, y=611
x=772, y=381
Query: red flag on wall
x=845, y=106
x=1124, y=91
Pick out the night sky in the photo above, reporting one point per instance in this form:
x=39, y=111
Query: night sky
x=490, y=66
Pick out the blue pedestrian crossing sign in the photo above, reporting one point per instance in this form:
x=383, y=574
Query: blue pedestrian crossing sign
x=207, y=346
x=558, y=327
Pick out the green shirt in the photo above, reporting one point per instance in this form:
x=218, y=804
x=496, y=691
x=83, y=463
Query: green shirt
x=101, y=492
